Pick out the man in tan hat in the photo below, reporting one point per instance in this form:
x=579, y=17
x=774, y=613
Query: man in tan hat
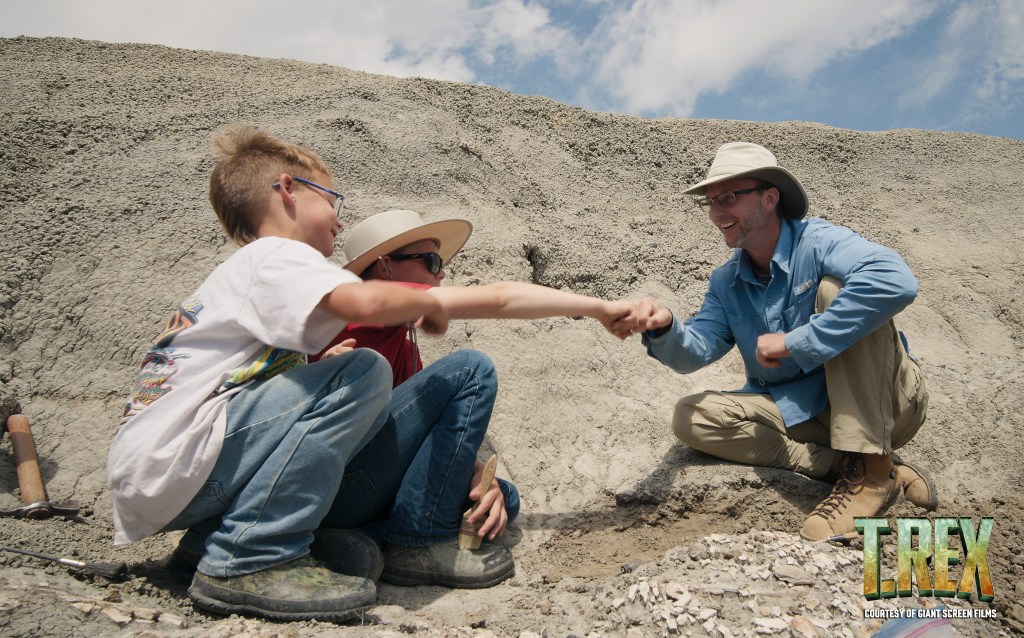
x=830, y=390
x=419, y=469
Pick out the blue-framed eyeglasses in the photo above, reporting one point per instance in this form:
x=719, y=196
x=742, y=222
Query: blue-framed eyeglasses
x=339, y=199
x=433, y=260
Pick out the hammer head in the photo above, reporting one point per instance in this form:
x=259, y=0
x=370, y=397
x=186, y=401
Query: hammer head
x=43, y=509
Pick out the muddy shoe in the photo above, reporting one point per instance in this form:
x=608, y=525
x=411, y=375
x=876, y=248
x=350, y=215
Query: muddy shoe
x=917, y=484
x=347, y=551
x=447, y=565
x=301, y=589
x=867, y=487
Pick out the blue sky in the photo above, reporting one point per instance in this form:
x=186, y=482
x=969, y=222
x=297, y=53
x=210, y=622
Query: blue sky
x=861, y=64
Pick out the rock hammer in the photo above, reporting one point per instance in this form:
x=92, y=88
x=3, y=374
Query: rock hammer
x=35, y=503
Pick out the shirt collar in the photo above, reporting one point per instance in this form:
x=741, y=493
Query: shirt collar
x=783, y=248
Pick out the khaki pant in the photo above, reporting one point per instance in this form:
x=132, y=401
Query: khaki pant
x=876, y=403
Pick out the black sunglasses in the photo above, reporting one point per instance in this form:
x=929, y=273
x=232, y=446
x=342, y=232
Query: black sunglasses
x=434, y=261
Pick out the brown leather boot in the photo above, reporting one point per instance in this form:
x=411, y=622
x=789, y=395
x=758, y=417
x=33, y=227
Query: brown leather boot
x=867, y=487
x=917, y=484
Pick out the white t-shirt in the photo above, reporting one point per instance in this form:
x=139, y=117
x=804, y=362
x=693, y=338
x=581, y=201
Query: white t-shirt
x=256, y=315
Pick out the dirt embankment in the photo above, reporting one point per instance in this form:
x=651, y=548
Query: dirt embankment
x=105, y=227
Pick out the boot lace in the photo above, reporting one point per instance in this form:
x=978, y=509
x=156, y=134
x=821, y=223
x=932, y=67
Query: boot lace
x=851, y=474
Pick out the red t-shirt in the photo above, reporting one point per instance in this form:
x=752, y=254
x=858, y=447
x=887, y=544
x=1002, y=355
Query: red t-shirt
x=389, y=341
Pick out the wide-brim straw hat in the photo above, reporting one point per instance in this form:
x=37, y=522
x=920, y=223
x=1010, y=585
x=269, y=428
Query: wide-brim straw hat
x=386, y=232
x=744, y=159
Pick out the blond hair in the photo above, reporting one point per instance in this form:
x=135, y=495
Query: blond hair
x=249, y=161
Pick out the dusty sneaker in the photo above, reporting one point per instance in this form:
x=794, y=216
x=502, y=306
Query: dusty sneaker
x=867, y=487
x=918, y=486
x=445, y=564
x=301, y=589
x=347, y=551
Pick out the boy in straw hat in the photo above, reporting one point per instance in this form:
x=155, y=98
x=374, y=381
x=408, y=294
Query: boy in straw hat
x=420, y=471
x=831, y=390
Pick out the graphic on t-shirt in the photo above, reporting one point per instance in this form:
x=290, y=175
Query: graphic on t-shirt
x=269, y=362
x=151, y=382
x=184, y=317
x=158, y=365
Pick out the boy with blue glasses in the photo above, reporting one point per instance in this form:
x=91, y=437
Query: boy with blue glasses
x=227, y=432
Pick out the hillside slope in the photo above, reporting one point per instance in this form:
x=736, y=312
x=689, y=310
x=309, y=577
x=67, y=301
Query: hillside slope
x=103, y=182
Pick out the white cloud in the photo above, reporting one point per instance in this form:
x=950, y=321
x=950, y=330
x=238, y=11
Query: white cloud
x=653, y=57
x=662, y=55
x=976, y=66
x=1009, y=52
x=524, y=27
x=433, y=38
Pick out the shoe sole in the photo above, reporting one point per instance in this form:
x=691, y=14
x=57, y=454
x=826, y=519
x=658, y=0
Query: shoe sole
x=223, y=608
x=410, y=580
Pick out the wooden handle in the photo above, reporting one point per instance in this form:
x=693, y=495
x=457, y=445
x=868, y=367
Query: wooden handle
x=467, y=531
x=29, y=478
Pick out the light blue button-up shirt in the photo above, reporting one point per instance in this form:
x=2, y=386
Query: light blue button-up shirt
x=737, y=309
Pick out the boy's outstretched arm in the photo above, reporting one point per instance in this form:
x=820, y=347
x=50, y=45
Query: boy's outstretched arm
x=386, y=304
x=520, y=300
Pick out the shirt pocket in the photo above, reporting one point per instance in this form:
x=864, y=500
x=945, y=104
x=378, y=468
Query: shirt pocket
x=800, y=307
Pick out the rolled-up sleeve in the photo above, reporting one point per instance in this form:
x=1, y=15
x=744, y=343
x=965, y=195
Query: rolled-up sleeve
x=877, y=285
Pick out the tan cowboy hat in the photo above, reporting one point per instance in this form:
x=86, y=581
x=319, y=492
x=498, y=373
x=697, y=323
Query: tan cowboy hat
x=384, y=233
x=743, y=159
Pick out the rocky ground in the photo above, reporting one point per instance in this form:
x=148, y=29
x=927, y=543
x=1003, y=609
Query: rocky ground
x=103, y=179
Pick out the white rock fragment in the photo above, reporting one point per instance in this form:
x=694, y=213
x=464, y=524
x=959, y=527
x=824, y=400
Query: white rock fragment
x=632, y=592
x=618, y=602
x=709, y=626
x=792, y=574
x=144, y=614
x=673, y=626
x=801, y=627
x=117, y=615
x=684, y=600
x=674, y=590
x=174, y=621
x=707, y=613
x=656, y=592
x=826, y=564
x=769, y=625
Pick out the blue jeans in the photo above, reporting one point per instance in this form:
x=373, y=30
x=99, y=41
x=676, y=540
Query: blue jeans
x=409, y=485
x=407, y=482
x=288, y=443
